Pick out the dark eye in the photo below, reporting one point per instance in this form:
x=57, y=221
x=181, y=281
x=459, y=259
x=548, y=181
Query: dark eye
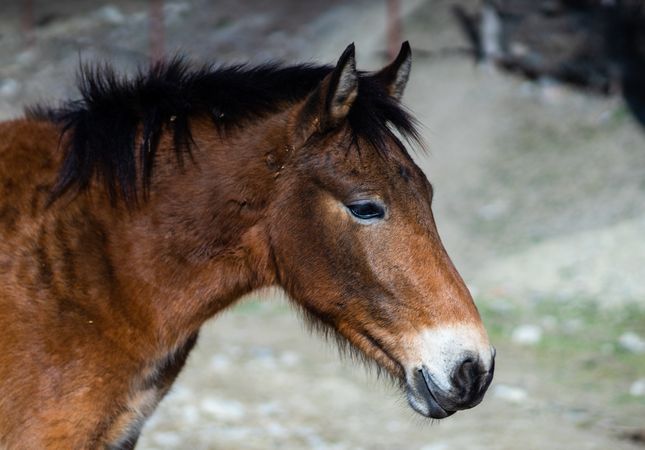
x=367, y=210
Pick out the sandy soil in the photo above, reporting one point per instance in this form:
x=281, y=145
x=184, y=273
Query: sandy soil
x=540, y=200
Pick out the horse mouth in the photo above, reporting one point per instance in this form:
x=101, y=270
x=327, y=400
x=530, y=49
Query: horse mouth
x=421, y=397
x=378, y=353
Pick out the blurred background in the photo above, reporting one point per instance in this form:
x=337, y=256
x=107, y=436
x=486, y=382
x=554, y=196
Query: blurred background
x=531, y=111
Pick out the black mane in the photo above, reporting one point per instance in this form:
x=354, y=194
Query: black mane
x=102, y=125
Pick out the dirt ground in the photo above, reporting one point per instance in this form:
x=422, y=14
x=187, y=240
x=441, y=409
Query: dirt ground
x=540, y=200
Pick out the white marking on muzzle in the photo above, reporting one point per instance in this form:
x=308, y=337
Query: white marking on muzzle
x=442, y=349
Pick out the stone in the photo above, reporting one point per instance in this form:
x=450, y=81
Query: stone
x=511, y=394
x=637, y=388
x=223, y=409
x=527, y=334
x=9, y=87
x=632, y=342
x=110, y=14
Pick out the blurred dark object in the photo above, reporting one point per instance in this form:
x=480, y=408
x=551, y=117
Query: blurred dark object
x=27, y=22
x=598, y=45
x=635, y=436
x=156, y=31
x=393, y=28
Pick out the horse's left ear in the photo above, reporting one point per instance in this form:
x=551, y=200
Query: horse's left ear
x=342, y=87
x=395, y=76
x=332, y=100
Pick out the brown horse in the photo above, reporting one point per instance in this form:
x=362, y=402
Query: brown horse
x=179, y=191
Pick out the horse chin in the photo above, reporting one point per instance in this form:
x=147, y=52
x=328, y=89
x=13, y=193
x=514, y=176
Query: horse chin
x=422, y=400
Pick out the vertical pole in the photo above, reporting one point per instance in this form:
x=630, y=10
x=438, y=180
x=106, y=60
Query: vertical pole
x=27, y=22
x=156, y=31
x=393, y=27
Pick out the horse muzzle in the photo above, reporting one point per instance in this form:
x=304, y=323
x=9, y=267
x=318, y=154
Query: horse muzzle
x=436, y=396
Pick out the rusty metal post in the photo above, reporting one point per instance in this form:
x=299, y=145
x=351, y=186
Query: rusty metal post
x=156, y=31
x=27, y=22
x=393, y=27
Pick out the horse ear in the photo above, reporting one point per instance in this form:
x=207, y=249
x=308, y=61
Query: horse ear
x=342, y=87
x=395, y=76
x=331, y=101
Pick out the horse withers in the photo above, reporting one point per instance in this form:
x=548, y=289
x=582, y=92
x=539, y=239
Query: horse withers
x=133, y=215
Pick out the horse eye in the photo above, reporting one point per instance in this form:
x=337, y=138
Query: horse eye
x=367, y=210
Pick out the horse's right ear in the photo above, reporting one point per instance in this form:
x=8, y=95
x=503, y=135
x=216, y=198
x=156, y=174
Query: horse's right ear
x=394, y=77
x=330, y=103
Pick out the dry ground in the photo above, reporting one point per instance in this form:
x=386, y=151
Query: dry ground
x=540, y=200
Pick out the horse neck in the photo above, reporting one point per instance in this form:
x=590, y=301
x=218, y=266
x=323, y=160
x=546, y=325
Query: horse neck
x=199, y=242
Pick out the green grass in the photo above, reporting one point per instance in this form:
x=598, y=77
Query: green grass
x=579, y=352
x=579, y=349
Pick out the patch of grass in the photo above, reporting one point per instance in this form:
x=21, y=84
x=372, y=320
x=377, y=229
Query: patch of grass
x=579, y=349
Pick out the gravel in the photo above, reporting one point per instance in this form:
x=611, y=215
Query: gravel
x=559, y=219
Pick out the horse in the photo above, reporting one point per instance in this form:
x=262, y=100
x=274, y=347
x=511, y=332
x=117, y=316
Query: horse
x=133, y=215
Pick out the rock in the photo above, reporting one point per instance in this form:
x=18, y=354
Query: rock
x=167, y=439
x=264, y=357
x=290, y=359
x=223, y=409
x=493, y=210
x=261, y=353
x=527, y=334
x=637, y=388
x=110, y=14
x=220, y=363
x=632, y=342
x=276, y=430
x=510, y=394
x=269, y=408
x=9, y=87
x=189, y=414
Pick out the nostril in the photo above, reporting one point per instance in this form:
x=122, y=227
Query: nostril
x=467, y=364
x=467, y=361
x=465, y=375
x=470, y=380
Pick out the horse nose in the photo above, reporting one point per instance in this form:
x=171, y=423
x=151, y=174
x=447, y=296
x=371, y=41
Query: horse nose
x=470, y=380
x=456, y=369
